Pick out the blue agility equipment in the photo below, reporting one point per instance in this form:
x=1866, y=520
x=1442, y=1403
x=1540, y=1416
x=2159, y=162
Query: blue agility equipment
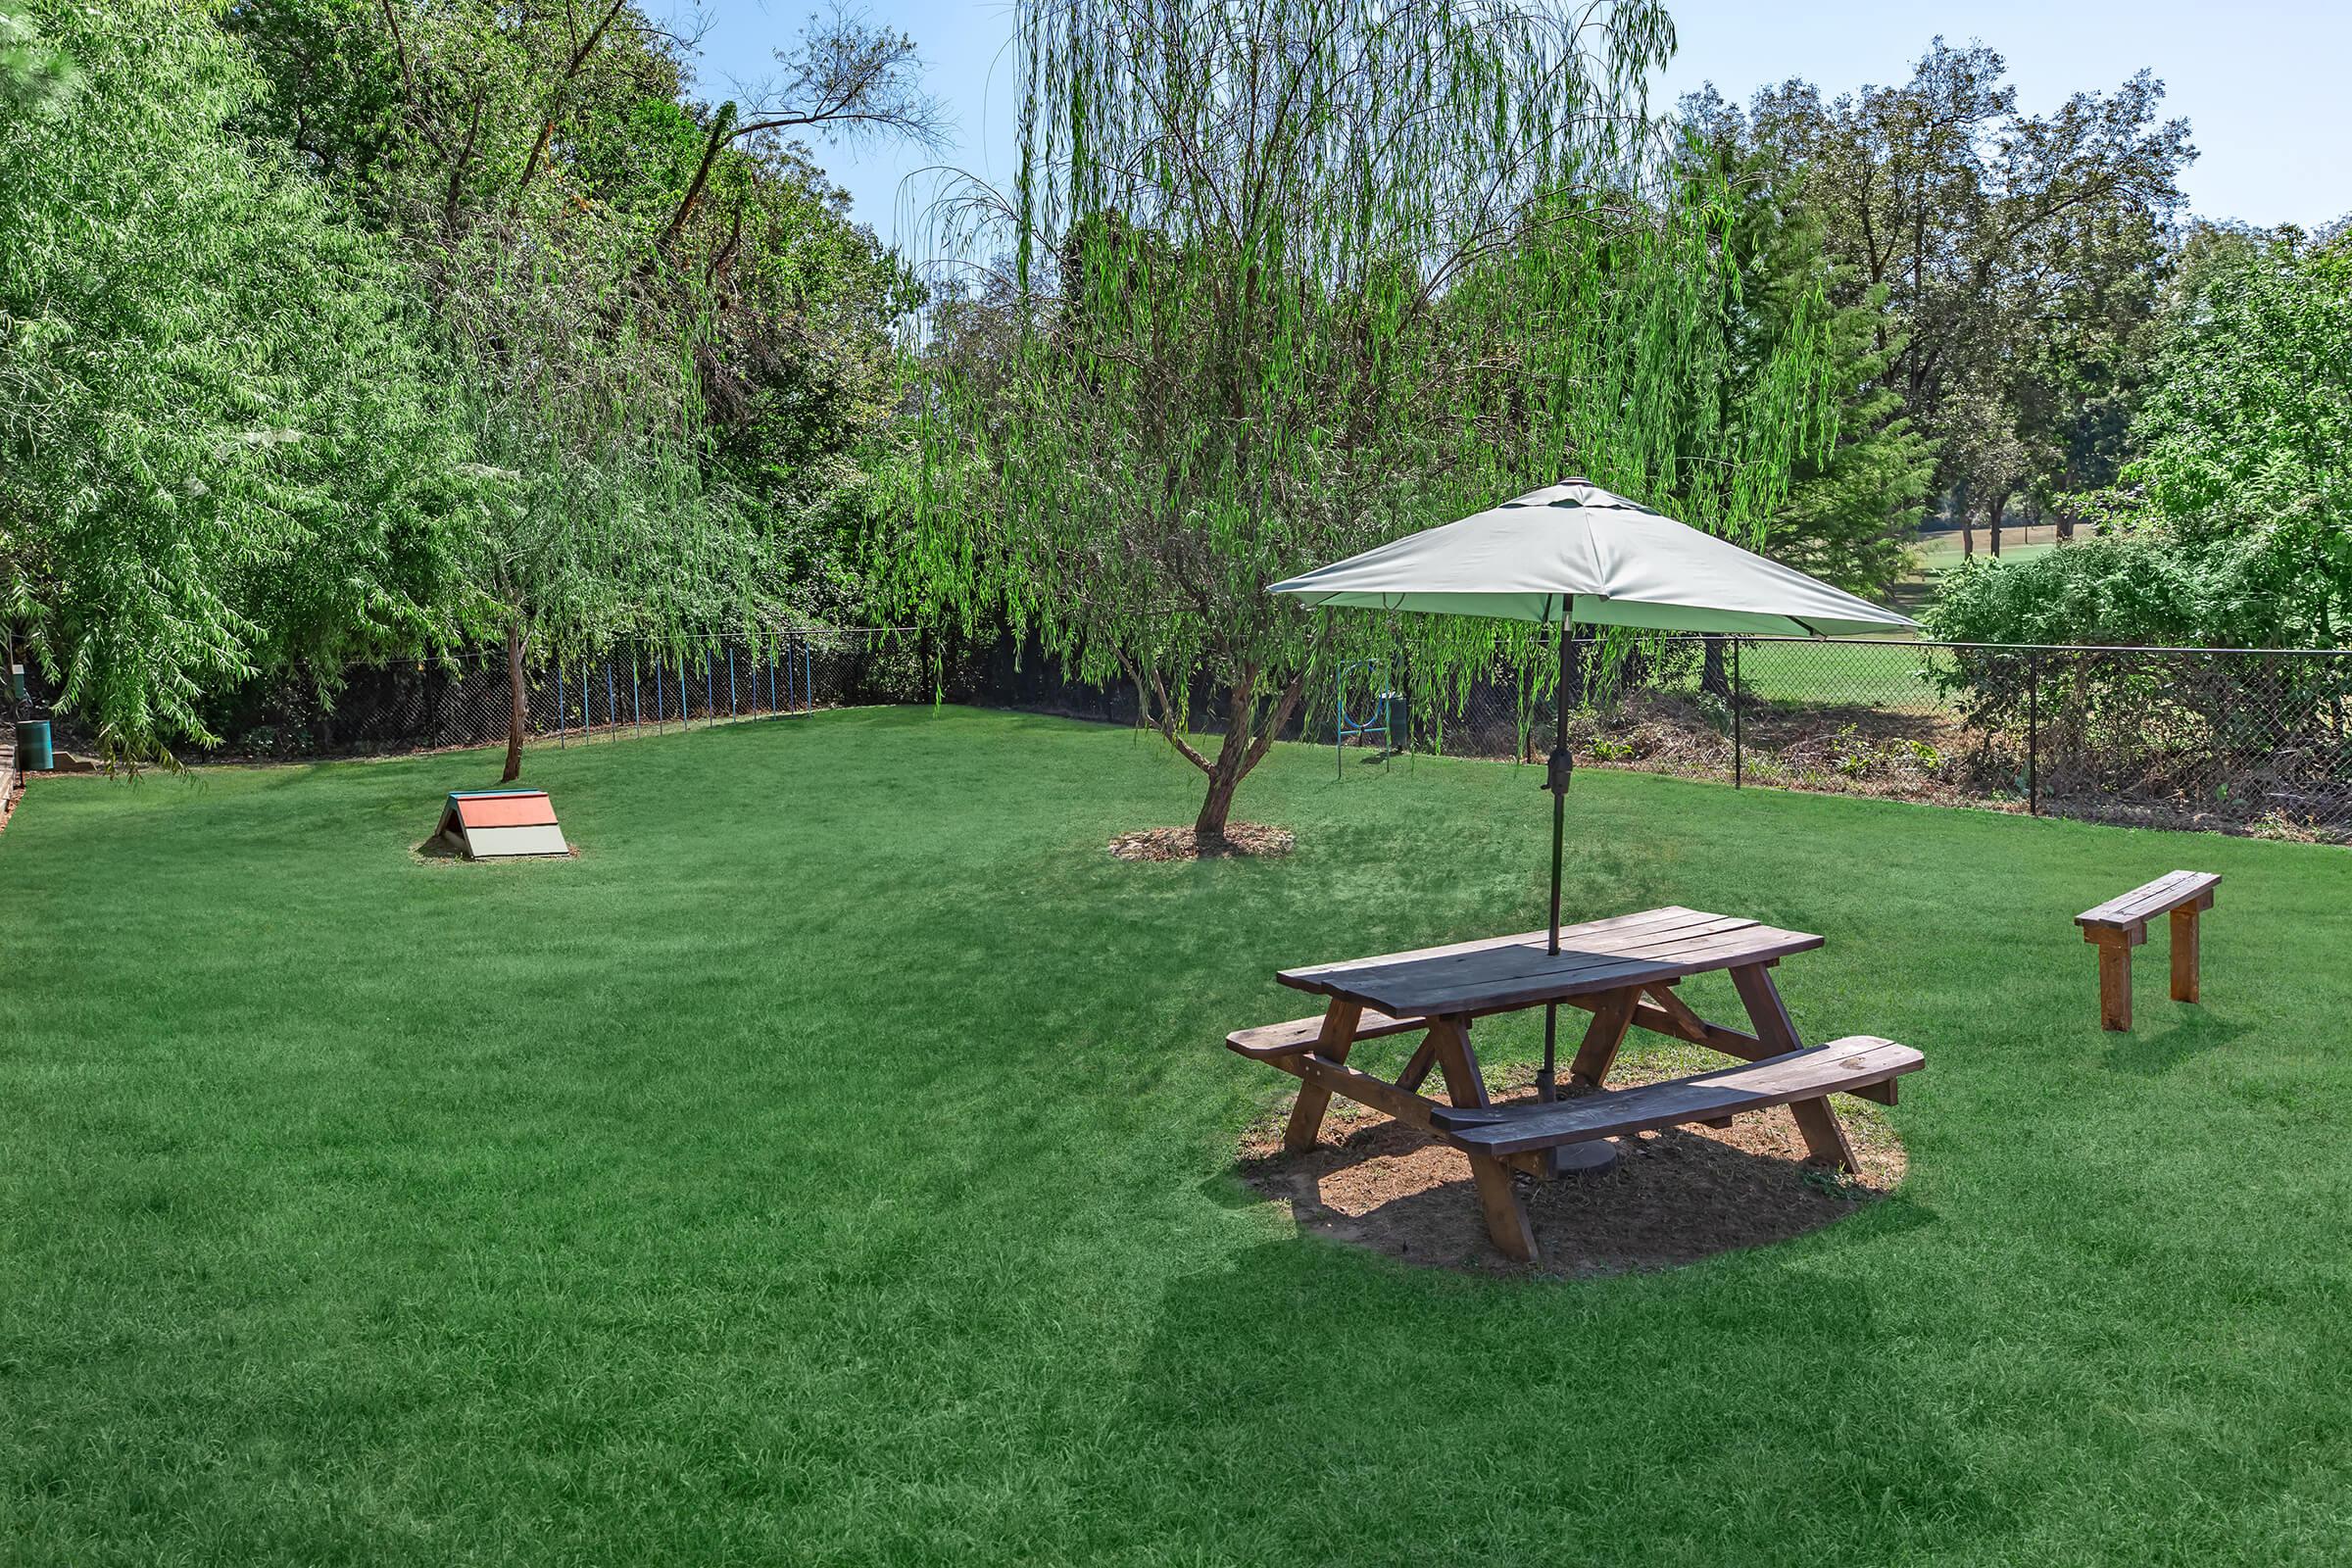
x=1376, y=718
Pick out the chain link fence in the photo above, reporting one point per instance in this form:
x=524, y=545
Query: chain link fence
x=2239, y=740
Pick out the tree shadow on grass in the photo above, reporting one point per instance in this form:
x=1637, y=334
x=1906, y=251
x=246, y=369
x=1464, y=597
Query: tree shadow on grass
x=1304, y=1394
x=2145, y=1053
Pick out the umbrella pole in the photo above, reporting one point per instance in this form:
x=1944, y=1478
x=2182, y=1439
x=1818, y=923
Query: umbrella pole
x=1588, y=1158
x=1555, y=779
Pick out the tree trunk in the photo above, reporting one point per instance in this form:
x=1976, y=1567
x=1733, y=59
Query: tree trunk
x=1967, y=536
x=1244, y=746
x=1999, y=505
x=1210, y=823
x=517, y=702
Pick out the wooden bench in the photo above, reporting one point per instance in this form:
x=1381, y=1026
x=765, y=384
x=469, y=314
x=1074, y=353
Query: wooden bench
x=1839, y=1067
x=2122, y=923
x=1802, y=1080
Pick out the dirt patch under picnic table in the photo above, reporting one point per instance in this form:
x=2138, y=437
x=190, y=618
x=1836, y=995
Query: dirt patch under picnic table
x=1674, y=1196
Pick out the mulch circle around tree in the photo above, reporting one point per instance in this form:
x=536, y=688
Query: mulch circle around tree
x=1677, y=1195
x=1183, y=844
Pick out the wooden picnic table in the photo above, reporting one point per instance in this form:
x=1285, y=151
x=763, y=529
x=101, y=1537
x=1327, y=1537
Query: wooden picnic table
x=1623, y=970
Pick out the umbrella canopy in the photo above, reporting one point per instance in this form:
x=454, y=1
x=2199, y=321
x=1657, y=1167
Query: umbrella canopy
x=1574, y=552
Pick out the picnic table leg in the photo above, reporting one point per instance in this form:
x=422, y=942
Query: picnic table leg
x=2184, y=953
x=1497, y=1197
x=1417, y=1068
x=1450, y=1041
x=1506, y=1210
x=1602, y=1037
x=1825, y=1140
x=1332, y=1045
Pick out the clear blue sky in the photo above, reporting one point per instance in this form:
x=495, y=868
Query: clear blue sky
x=2262, y=81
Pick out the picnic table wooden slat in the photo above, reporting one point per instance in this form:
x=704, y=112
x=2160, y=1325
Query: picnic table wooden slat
x=1505, y=987
x=1532, y=948
x=1664, y=915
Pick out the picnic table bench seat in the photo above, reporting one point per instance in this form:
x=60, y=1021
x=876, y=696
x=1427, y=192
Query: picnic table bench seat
x=1839, y=1067
x=1271, y=1040
x=2122, y=923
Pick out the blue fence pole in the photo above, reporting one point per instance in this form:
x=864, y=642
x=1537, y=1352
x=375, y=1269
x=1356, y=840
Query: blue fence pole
x=808, y=678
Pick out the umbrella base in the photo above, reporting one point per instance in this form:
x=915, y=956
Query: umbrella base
x=1585, y=1159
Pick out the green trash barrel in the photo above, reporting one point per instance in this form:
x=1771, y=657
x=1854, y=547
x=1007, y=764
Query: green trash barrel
x=32, y=746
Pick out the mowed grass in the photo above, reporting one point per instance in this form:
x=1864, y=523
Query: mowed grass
x=833, y=1165
x=1886, y=673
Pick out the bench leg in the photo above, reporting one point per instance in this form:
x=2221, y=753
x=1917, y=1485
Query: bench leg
x=1825, y=1136
x=1506, y=1210
x=2184, y=953
x=2115, y=985
x=1602, y=1037
x=1307, y=1111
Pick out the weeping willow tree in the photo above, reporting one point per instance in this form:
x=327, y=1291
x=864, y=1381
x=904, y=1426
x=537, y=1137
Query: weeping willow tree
x=1281, y=280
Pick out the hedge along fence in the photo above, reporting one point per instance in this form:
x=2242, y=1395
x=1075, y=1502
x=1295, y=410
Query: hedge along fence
x=2246, y=740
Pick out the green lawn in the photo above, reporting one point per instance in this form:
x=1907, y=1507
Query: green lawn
x=1941, y=551
x=1883, y=673
x=832, y=1164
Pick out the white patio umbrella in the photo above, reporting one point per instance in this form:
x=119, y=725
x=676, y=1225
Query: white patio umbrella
x=1572, y=552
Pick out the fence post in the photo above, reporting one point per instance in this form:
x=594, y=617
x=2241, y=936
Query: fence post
x=1738, y=738
x=731, y=713
x=710, y=690
x=2032, y=734
x=563, y=709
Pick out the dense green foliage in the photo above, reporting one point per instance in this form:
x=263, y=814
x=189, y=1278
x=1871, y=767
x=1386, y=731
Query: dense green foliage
x=396, y=325
x=223, y=441
x=2018, y=257
x=2234, y=525
x=33, y=74
x=1293, y=277
x=852, y=1182
x=403, y=325
x=1855, y=493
